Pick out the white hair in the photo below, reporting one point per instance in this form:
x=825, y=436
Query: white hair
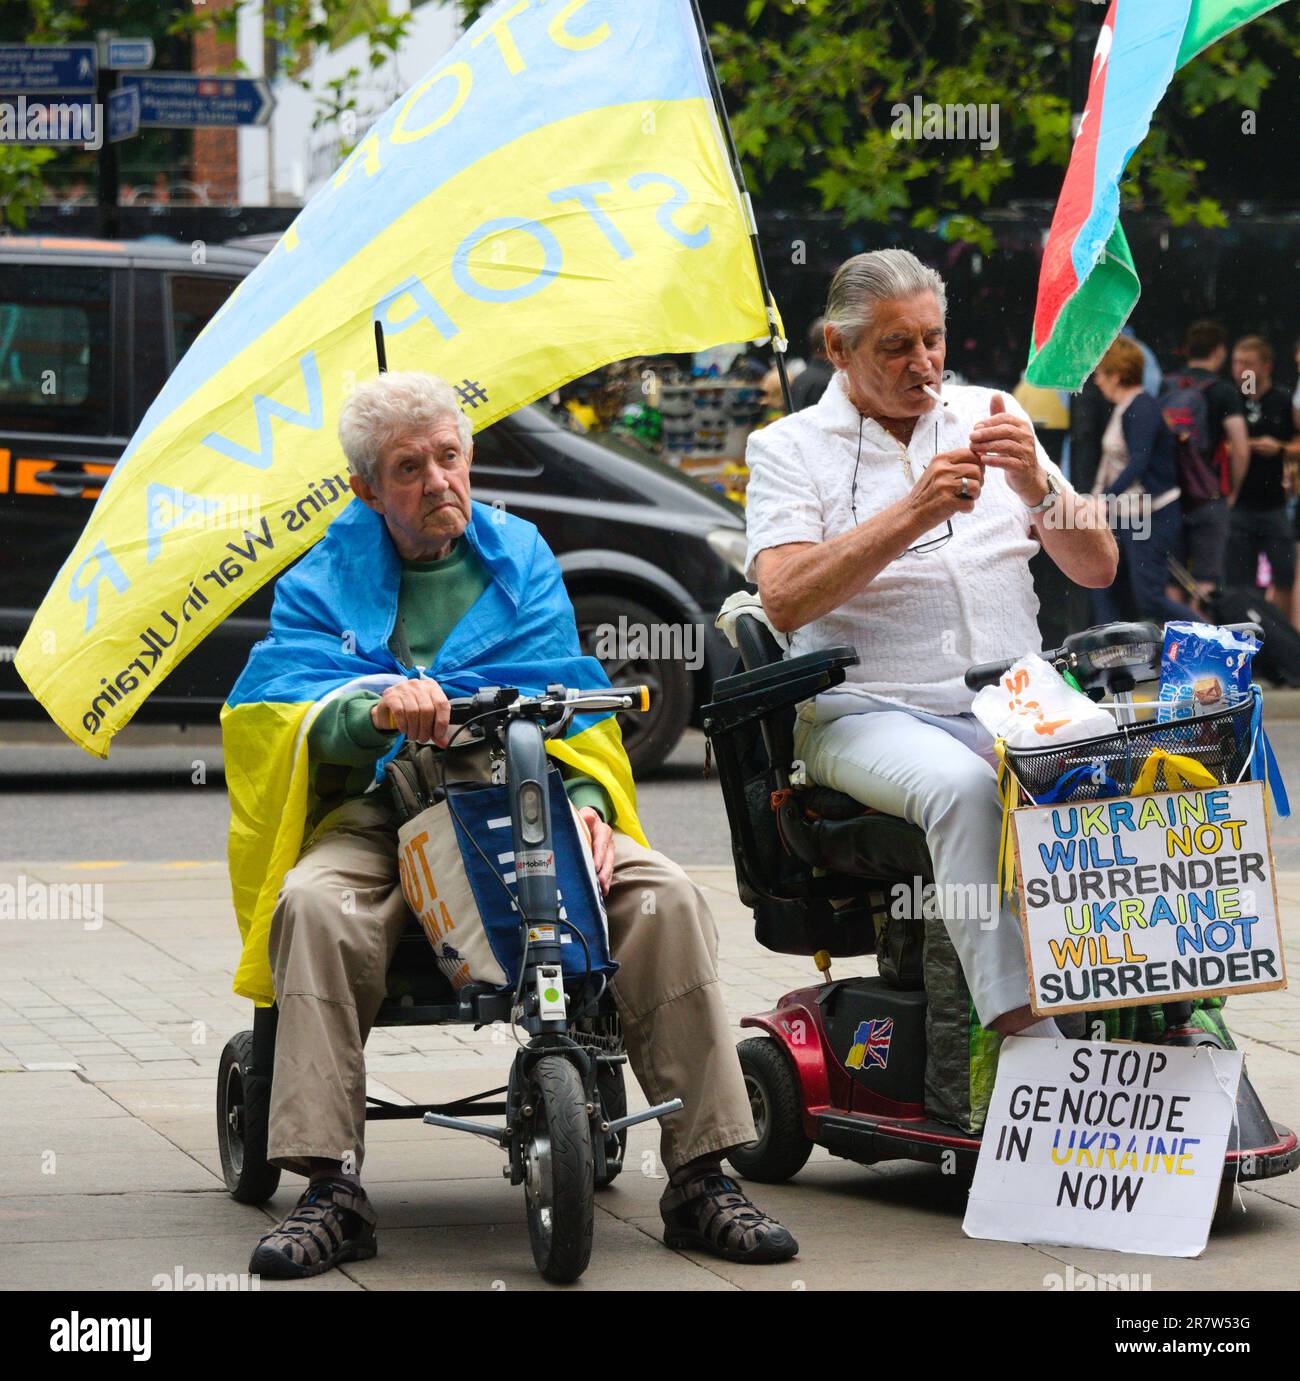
x=391, y=406
x=863, y=282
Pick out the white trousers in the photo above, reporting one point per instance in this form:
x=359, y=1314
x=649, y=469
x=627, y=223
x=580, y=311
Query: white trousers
x=938, y=772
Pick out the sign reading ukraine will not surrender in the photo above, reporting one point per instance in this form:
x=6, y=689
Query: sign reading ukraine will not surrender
x=1147, y=899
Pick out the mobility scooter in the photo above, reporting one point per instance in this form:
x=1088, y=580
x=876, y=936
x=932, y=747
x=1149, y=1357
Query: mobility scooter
x=565, y=1105
x=893, y=1066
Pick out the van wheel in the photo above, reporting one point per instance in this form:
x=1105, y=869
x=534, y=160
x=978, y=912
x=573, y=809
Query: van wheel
x=776, y=1102
x=649, y=737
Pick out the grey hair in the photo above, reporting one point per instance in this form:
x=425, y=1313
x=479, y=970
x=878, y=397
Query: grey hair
x=390, y=406
x=865, y=280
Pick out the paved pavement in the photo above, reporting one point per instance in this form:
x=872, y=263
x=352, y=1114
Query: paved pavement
x=109, y=1173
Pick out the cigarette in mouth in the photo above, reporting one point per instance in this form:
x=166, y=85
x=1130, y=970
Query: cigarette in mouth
x=925, y=388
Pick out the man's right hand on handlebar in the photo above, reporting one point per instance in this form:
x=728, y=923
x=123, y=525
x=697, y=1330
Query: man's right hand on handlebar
x=417, y=708
x=937, y=493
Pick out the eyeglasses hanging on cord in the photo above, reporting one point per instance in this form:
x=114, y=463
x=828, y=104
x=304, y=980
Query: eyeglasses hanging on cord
x=920, y=547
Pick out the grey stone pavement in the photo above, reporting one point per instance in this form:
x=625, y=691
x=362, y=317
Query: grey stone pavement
x=109, y=1172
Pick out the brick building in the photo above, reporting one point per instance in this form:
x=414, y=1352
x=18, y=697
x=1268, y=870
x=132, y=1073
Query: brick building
x=215, y=164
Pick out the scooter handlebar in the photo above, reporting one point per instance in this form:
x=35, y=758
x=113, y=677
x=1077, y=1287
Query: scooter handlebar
x=988, y=673
x=616, y=698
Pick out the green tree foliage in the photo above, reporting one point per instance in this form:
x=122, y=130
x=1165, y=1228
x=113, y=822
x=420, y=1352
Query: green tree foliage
x=813, y=86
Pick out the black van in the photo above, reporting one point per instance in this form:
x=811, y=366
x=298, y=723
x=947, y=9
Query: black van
x=648, y=555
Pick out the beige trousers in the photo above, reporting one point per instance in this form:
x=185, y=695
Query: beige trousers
x=336, y=925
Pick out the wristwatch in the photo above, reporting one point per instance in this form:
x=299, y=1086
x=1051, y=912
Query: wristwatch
x=1054, y=490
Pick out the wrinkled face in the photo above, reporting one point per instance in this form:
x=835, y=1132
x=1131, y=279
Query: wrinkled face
x=422, y=490
x=903, y=348
x=1247, y=364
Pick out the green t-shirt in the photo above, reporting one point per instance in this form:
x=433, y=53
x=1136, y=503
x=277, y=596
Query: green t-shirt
x=343, y=743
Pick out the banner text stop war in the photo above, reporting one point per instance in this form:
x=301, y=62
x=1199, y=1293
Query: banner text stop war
x=509, y=237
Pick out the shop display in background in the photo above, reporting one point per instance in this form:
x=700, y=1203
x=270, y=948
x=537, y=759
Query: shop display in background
x=706, y=424
x=688, y=413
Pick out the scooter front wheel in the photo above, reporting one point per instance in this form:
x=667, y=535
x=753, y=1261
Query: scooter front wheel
x=559, y=1170
x=776, y=1102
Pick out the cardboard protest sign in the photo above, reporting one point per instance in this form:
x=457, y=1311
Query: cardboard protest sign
x=1116, y=1146
x=1145, y=899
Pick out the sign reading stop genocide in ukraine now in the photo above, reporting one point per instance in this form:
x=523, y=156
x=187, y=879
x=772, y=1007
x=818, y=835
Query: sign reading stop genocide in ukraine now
x=1147, y=899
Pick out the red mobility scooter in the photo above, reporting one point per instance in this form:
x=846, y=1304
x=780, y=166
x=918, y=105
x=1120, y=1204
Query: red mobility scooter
x=850, y=1064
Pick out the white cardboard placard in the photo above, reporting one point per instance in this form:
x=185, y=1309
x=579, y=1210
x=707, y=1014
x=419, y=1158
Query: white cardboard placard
x=1105, y=1144
x=1144, y=899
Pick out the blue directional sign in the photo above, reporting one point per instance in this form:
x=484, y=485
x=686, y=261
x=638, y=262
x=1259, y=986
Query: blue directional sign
x=129, y=54
x=39, y=67
x=123, y=114
x=182, y=100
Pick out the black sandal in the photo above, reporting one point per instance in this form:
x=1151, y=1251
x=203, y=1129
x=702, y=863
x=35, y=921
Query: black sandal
x=332, y=1222
x=712, y=1213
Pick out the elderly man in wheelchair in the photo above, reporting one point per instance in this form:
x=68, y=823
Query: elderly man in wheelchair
x=897, y=517
x=413, y=582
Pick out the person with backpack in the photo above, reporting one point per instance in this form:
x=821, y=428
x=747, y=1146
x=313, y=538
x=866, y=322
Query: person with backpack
x=1138, y=475
x=1205, y=413
x=1259, y=520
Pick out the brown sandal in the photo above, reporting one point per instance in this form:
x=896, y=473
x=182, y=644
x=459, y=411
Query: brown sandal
x=332, y=1222
x=712, y=1213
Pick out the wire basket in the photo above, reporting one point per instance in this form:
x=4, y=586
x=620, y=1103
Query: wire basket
x=1097, y=768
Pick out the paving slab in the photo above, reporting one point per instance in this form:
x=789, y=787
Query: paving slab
x=104, y=1172
x=151, y=1213
x=137, y=1171
x=137, y=1263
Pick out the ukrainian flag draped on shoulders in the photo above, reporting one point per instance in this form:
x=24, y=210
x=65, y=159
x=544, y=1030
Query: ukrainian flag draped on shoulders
x=333, y=616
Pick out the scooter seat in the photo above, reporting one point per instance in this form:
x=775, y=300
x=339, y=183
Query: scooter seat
x=881, y=849
x=825, y=803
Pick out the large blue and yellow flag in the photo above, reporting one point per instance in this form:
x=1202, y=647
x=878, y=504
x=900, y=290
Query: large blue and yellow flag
x=555, y=194
x=330, y=625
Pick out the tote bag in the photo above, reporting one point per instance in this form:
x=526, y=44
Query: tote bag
x=457, y=867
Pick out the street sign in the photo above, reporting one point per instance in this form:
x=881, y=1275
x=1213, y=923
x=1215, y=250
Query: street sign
x=129, y=54
x=184, y=100
x=32, y=68
x=123, y=114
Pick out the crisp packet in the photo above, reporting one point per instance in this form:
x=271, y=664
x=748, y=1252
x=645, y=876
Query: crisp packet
x=1032, y=706
x=1203, y=668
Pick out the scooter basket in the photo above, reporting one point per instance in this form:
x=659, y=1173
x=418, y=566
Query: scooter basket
x=1096, y=768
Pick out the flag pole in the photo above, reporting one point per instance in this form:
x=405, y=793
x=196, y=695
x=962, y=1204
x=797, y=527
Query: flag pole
x=777, y=340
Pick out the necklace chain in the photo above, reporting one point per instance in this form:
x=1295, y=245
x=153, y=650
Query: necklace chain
x=904, y=456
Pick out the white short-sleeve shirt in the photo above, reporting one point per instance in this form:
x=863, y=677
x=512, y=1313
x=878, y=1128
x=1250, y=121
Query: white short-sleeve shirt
x=929, y=615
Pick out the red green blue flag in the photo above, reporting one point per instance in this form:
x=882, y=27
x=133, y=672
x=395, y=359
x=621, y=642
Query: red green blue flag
x=1088, y=284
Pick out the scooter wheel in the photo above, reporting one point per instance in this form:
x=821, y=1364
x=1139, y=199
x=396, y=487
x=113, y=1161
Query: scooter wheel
x=559, y=1171
x=613, y=1103
x=242, y=1123
x=782, y=1147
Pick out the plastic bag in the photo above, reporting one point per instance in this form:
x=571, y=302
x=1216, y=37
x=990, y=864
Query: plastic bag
x=1203, y=668
x=1032, y=707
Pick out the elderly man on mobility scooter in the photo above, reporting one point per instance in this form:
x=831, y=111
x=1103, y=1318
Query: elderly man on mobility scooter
x=902, y=525
x=441, y=579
